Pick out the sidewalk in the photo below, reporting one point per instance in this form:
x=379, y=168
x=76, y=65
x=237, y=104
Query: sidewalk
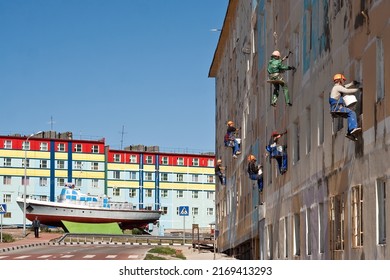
x=28, y=241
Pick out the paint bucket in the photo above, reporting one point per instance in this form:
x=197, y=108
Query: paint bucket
x=350, y=100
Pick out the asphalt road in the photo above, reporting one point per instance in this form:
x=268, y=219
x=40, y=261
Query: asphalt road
x=79, y=252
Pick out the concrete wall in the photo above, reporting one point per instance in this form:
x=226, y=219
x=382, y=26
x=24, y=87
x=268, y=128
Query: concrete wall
x=326, y=37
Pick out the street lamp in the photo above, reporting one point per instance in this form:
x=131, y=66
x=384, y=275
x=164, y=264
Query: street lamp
x=25, y=182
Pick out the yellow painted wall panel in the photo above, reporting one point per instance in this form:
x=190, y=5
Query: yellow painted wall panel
x=21, y=154
x=122, y=184
x=88, y=157
x=121, y=166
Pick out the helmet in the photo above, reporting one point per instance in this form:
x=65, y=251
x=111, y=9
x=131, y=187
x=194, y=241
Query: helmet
x=230, y=123
x=339, y=77
x=251, y=157
x=274, y=133
x=276, y=53
x=219, y=161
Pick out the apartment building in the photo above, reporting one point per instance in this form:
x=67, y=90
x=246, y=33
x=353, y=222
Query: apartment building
x=142, y=176
x=331, y=203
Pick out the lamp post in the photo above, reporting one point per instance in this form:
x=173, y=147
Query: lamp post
x=25, y=182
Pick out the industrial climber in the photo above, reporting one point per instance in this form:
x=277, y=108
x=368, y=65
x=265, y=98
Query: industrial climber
x=340, y=104
x=231, y=140
x=275, y=69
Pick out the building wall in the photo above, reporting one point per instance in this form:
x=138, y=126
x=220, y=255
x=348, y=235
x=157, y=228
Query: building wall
x=147, y=179
x=311, y=211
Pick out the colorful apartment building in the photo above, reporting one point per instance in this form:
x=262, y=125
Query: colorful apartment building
x=145, y=177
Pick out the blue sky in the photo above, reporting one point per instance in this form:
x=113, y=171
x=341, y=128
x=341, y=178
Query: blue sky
x=100, y=67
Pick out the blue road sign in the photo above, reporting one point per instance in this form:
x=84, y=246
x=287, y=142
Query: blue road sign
x=184, y=210
x=3, y=208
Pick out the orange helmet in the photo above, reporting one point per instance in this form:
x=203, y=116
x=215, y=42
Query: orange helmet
x=276, y=53
x=338, y=77
x=251, y=157
x=275, y=133
x=230, y=122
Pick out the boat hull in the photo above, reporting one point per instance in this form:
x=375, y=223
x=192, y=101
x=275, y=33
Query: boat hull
x=53, y=213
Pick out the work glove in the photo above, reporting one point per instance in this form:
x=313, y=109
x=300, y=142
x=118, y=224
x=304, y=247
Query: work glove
x=356, y=83
x=291, y=68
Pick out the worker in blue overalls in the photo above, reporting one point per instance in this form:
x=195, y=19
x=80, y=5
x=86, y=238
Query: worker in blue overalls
x=277, y=151
x=255, y=172
x=337, y=104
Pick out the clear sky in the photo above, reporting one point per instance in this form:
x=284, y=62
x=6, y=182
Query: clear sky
x=131, y=71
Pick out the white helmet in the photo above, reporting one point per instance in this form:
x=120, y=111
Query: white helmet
x=276, y=53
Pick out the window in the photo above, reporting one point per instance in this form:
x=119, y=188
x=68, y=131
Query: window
x=297, y=239
x=133, y=159
x=179, y=194
x=381, y=210
x=210, y=195
x=94, y=166
x=210, y=179
x=116, y=192
x=43, y=181
x=210, y=163
x=117, y=158
x=270, y=250
x=7, y=162
x=78, y=165
x=296, y=46
x=78, y=148
x=43, y=146
x=60, y=182
x=25, y=181
x=164, y=177
x=78, y=182
x=321, y=228
x=43, y=163
x=357, y=216
x=164, y=210
x=195, y=211
x=26, y=145
x=308, y=232
x=380, y=69
x=7, y=144
x=180, y=177
x=296, y=139
x=148, y=193
x=95, y=183
x=132, y=193
x=6, y=198
x=7, y=180
x=180, y=161
x=133, y=175
x=210, y=211
x=320, y=128
x=95, y=149
x=286, y=231
x=149, y=160
x=308, y=130
x=61, y=147
x=164, y=160
x=195, y=194
x=60, y=164
x=148, y=176
x=195, y=162
x=27, y=162
x=337, y=223
x=116, y=174
x=195, y=178
x=164, y=193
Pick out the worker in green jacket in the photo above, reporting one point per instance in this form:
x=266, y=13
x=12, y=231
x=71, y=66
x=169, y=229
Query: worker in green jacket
x=275, y=69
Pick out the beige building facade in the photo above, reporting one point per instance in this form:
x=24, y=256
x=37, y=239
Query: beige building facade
x=331, y=203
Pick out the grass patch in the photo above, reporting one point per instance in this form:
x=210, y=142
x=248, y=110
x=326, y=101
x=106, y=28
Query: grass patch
x=7, y=238
x=167, y=251
x=153, y=257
